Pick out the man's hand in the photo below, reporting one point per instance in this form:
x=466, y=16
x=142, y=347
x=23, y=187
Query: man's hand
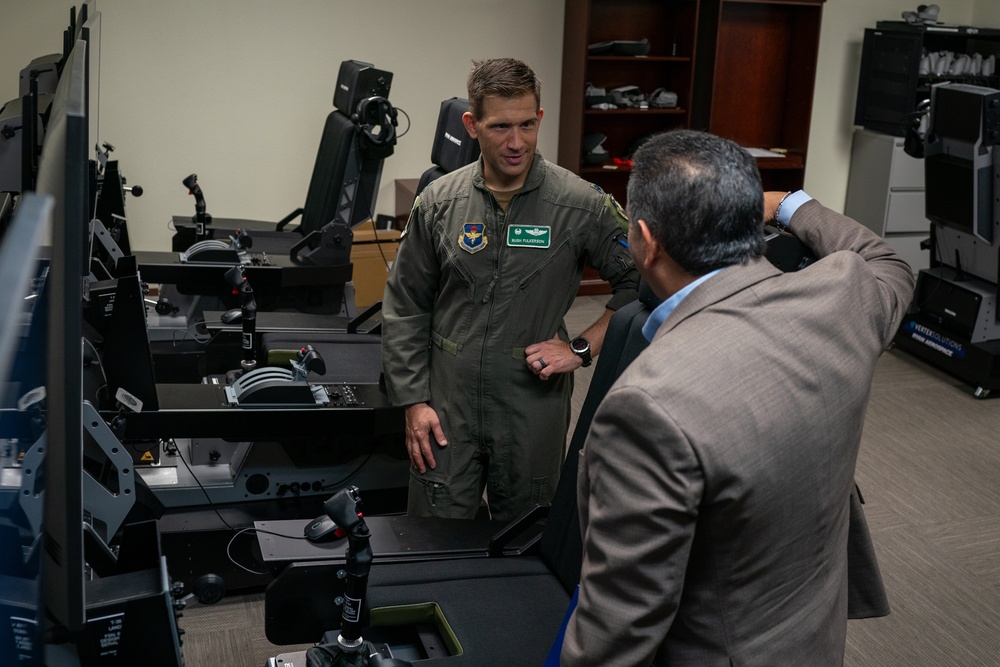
x=549, y=357
x=421, y=423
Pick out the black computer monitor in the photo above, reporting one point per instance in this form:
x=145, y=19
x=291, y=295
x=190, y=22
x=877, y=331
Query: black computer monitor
x=22, y=273
x=20, y=255
x=91, y=34
x=62, y=175
x=6, y=212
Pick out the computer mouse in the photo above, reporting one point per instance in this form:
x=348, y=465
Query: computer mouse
x=321, y=529
x=230, y=316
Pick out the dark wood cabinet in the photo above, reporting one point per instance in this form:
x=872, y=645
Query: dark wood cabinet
x=755, y=68
x=671, y=29
x=742, y=69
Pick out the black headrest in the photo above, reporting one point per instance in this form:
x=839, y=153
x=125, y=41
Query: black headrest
x=357, y=81
x=453, y=147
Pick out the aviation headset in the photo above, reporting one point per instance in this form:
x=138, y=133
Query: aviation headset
x=377, y=119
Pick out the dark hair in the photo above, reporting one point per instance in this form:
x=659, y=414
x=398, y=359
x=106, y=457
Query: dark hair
x=701, y=197
x=503, y=77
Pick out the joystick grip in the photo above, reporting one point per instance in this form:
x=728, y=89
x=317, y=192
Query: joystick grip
x=191, y=183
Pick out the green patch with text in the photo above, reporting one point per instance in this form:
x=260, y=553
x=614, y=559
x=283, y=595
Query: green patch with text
x=529, y=236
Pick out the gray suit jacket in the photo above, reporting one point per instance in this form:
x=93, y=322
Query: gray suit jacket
x=714, y=486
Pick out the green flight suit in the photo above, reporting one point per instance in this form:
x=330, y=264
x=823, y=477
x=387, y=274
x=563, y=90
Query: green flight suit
x=470, y=288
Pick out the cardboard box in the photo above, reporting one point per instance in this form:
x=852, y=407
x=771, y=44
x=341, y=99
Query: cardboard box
x=372, y=253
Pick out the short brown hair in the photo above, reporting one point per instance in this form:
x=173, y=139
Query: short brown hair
x=503, y=77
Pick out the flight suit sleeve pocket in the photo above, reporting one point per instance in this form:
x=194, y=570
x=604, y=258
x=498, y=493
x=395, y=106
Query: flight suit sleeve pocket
x=448, y=346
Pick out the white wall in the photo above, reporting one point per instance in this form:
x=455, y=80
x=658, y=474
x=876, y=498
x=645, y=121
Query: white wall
x=986, y=14
x=237, y=90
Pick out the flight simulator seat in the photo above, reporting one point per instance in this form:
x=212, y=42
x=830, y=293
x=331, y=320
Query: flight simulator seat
x=357, y=136
x=453, y=147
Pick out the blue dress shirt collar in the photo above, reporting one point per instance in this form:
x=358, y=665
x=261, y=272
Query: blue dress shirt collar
x=662, y=312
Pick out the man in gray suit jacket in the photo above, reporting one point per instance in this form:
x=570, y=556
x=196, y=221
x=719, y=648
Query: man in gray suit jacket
x=714, y=485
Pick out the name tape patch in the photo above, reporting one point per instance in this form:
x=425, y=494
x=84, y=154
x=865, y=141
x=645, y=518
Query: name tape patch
x=529, y=236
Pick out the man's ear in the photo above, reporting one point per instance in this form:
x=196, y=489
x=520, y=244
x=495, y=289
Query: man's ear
x=650, y=246
x=470, y=124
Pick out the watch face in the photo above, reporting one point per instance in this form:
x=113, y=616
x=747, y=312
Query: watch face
x=579, y=345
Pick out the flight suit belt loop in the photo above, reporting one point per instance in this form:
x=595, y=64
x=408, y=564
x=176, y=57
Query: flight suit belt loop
x=451, y=347
x=448, y=346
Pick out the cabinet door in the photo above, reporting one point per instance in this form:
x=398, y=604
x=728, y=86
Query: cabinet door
x=905, y=213
x=755, y=70
x=907, y=172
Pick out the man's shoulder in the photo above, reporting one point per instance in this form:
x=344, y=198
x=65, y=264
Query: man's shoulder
x=561, y=180
x=454, y=184
x=562, y=187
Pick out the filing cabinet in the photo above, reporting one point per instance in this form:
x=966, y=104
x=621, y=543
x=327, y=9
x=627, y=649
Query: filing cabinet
x=885, y=192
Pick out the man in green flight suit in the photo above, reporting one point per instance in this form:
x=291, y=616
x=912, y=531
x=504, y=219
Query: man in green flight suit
x=474, y=343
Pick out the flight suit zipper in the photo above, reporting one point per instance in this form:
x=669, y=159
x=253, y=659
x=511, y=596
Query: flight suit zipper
x=502, y=220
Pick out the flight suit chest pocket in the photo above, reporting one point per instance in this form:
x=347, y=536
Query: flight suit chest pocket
x=551, y=271
x=542, y=294
x=454, y=309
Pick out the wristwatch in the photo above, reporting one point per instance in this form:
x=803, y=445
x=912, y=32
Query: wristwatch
x=581, y=348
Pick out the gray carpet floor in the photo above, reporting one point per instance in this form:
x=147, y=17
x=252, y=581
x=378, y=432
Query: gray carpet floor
x=928, y=470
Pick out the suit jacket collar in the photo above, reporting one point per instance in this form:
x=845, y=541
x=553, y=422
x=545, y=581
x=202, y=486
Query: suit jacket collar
x=720, y=287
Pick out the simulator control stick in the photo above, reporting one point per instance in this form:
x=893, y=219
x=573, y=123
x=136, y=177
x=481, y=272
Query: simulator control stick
x=343, y=509
x=200, y=216
x=351, y=650
x=248, y=311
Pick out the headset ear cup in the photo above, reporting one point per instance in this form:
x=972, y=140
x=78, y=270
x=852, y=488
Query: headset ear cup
x=913, y=143
x=387, y=113
x=358, y=117
x=377, y=113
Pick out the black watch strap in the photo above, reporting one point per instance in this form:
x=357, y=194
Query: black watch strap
x=581, y=348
